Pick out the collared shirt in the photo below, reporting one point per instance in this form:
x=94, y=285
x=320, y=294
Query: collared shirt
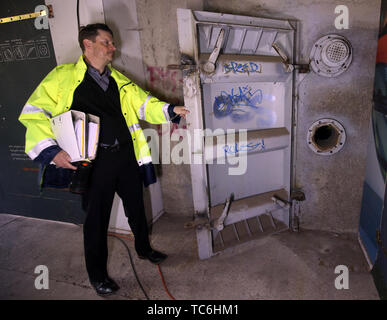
x=101, y=79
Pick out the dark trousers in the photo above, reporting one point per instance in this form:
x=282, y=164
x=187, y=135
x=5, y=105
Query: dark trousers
x=113, y=171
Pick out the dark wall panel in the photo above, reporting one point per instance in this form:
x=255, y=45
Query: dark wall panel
x=26, y=56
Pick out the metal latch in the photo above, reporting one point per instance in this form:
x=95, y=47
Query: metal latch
x=297, y=195
x=187, y=65
x=209, y=66
x=219, y=223
x=281, y=202
x=302, y=68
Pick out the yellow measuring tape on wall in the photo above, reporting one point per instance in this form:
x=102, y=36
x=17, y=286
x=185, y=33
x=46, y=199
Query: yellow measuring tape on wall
x=23, y=16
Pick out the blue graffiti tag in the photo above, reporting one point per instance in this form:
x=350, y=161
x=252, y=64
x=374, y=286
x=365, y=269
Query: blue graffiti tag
x=249, y=67
x=243, y=105
x=233, y=149
x=226, y=103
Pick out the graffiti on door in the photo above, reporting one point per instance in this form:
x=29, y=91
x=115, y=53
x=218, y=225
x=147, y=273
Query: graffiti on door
x=242, y=104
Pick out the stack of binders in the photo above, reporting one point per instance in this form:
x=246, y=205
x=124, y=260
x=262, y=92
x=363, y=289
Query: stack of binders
x=77, y=133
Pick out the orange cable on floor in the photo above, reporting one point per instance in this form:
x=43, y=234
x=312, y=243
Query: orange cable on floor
x=120, y=235
x=165, y=286
x=160, y=272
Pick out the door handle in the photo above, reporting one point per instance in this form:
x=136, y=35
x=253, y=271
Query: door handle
x=303, y=68
x=209, y=66
x=285, y=60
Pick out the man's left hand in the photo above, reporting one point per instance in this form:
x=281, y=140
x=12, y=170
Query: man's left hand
x=181, y=111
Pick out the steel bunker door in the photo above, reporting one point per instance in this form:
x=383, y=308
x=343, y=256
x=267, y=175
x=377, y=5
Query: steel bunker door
x=238, y=77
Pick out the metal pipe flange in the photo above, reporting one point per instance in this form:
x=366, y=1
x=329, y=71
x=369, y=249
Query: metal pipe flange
x=326, y=136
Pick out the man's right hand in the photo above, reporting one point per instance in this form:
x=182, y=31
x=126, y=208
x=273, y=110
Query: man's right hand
x=63, y=160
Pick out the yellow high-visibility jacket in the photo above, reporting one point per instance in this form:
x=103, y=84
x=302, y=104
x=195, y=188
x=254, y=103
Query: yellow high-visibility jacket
x=54, y=95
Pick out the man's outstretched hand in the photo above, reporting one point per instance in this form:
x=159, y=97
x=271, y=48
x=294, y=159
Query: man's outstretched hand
x=63, y=160
x=181, y=111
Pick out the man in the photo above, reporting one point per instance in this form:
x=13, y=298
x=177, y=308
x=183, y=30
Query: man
x=123, y=159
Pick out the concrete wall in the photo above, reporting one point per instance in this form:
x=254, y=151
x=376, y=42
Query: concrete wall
x=160, y=48
x=333, y=184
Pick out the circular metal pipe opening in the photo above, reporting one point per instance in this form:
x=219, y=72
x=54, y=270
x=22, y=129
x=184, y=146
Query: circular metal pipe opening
x=326, y=136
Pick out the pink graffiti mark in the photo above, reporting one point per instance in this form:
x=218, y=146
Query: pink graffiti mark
x=174, y=127
x=160, y=77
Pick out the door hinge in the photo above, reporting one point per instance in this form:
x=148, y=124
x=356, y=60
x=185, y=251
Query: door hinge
x=302, y=68
x=199, y=222
x=296, y=197
x=50, y=11
x=182, y=66
x=187, y=65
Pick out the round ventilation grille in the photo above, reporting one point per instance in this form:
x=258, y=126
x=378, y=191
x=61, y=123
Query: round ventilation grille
x=331, y=55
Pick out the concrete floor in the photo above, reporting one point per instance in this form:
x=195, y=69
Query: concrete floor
x=281, y=266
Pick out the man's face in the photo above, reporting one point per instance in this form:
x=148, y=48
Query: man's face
x=102, y=49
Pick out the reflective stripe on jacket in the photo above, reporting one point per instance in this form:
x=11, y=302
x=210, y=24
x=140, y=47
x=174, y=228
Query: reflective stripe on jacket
x=54, y=95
